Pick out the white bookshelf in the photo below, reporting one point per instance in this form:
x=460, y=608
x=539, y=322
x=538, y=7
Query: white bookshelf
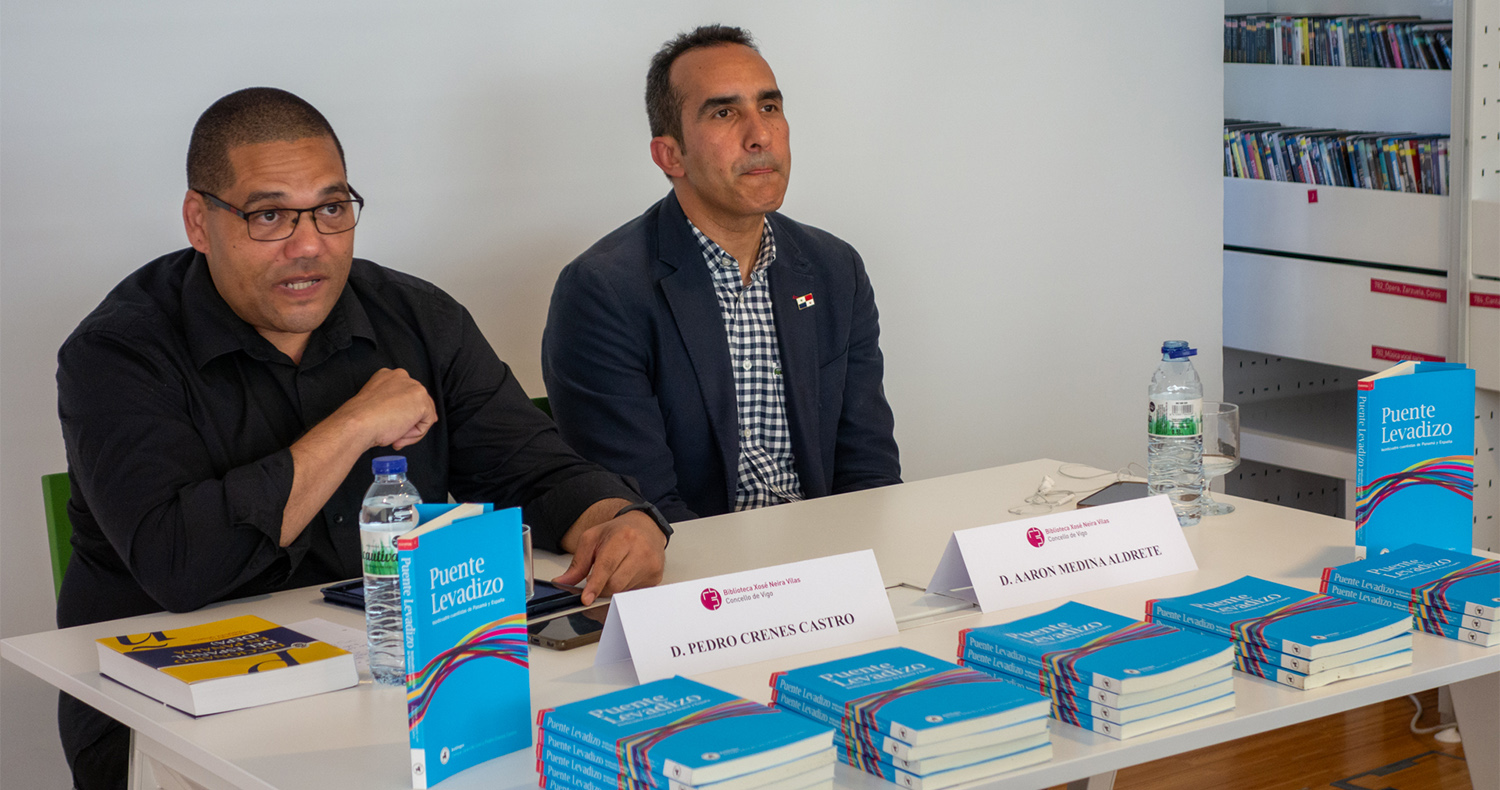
x=1308, y=267
x=1369, y=225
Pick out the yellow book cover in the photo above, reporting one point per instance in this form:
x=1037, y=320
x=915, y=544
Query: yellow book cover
x=224, y=648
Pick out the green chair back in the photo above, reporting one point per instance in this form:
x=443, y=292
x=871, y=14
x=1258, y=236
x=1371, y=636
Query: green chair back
x=541, y=403
x=55, y=492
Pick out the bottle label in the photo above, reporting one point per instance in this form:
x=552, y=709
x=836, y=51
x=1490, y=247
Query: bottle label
x=377, y=551
x=1175, y=418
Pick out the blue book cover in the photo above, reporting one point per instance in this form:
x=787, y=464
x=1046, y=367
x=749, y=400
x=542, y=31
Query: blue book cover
x=946, y=762
x=1440, y=616
x=910, y=696
x=1414, y=459
x=463, y=610
x=1100, y=648
x=1276, y=658
x=686, y=731
x=956, y=776
x=1304, y=624
x=582, y=760
x=1454, y=580
x=1134, y=728
x=1136, y=711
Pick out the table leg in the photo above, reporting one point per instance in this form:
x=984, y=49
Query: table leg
x=154, y=767
x=1477, y=703
x=1100, y=782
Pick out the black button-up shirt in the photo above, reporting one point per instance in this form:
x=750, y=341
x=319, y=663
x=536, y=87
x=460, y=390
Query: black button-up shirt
x=177, y=417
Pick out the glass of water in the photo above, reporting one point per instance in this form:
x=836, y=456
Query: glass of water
x=1221, y=450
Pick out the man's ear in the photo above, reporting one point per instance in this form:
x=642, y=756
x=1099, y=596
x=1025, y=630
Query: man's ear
x=195, y=220
x=666, y=152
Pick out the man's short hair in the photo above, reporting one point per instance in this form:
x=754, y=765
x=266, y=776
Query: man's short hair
x=247, y=117
x=663, y=103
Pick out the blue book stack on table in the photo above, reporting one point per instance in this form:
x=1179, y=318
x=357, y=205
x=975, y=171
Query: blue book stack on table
x=677, y=734
x=1448, y=593
x=1106, y=672
x=918, y=721
x=1291, y=636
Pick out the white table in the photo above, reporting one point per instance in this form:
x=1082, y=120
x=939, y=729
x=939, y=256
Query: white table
x=357, y=737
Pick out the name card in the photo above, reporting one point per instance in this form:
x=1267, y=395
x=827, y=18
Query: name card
x=741, y=618
x=1062, y=554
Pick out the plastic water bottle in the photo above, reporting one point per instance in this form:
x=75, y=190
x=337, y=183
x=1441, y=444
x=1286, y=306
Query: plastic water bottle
x=1174, y=433
x=390, y=509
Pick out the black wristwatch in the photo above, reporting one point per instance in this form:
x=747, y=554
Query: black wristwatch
x=650, y=510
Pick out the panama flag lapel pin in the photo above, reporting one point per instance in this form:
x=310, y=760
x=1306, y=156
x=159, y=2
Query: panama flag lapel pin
x=804, y=301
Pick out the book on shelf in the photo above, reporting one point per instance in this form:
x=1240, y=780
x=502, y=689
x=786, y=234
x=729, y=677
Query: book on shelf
x=959, y=759
x=1286, y=619
x=1400, y=42
x=1457, y=631
x=1067, y=687
x=463, y=611
x=1276, y=658
x=1417, y=611
x=686, y=731
x=1414, y=458
x=1100, y=648
x=1390, y=161
x=1425, y=576
x=1135, y=709
x=225, y=665
x=1306, y=681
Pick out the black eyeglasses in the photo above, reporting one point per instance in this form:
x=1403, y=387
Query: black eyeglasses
x=275, y=224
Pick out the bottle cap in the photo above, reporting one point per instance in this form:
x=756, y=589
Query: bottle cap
x=1177, y=349
x=390, y=465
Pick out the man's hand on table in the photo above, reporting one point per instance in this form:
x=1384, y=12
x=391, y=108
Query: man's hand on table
x=616, y=554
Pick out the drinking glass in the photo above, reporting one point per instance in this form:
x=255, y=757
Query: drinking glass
x=1221, y=450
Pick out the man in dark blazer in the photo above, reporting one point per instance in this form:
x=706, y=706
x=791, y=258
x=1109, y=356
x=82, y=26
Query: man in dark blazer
x=723, y=355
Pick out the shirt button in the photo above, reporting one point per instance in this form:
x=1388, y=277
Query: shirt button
x=747, y=365
x=747, y=433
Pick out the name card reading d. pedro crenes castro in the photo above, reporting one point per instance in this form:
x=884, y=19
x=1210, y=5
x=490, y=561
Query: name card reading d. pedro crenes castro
x=740, y=618
x=1062, y=554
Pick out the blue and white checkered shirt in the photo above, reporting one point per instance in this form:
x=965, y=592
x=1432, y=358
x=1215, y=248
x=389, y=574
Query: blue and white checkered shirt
x=767, y=473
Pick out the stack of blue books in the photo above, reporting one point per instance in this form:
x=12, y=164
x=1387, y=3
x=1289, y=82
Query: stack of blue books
x=1447, y=593
x=676, y=734
x=1294, y=637
x=1106, y=672
x=919, y=721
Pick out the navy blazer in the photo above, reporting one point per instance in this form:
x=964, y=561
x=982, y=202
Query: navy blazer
x=636, y=363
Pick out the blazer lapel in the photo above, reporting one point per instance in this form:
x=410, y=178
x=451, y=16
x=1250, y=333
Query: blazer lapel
x=791, y=277
x=689, y=290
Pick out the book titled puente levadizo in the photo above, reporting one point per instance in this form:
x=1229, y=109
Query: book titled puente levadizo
x=1414, y=458
x=1107, y=672
x=1276, y=624
x=686, y=733
x=1448, y=593
x=463, y=610
x=917, y=720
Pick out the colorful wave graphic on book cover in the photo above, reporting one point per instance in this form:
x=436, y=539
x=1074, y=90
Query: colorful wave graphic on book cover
x=1453, y=473
x=634, y=752
x=504, y=639
x=1435, y=593
x=860, y=724
x=1253, y=629
x=1062, y=662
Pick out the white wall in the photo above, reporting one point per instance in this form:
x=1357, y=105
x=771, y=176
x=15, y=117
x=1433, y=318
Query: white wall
x=1021, y=178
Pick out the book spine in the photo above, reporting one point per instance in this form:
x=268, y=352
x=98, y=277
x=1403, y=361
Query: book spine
x=979, y=643
x=409, y=637
x=784, y=686
x=996, y=664
x=1366, y=596
x=801, y=707
x=573, y=750
x=1334, y=576
x=1277, y=674
x=580, y=780
x=567, y=730
x=1155, y=612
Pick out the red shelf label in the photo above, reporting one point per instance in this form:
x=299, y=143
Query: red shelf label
x=1477, y=299
x=1408, y=290
x=1401, y=355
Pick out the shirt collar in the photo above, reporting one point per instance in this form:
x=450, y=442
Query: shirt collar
x=213, y=329
x=715, y=256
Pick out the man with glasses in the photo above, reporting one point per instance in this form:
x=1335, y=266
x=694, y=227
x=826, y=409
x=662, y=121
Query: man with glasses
x=221, y=407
